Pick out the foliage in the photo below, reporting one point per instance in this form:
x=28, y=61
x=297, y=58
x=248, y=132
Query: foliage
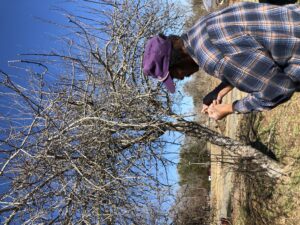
x=194, y=163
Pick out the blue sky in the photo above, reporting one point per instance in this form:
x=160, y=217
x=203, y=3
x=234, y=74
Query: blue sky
x=22, y=32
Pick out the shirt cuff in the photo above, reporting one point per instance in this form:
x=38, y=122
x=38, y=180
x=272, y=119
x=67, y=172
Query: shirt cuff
x=238, y=107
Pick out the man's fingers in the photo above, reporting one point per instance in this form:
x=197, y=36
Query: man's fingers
x=204, y=108
x=213, y=112
x=211, y=109
x=204, y=111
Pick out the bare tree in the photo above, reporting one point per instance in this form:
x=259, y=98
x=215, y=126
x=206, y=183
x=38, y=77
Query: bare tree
x=86, y=143
x=191, y=206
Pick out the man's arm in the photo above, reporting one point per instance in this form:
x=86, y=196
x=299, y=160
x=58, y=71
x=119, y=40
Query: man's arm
x=265, y=82
x=217, y=94
x=248, y=66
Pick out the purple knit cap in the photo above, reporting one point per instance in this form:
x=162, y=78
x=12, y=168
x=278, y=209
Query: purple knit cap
x=157, y=59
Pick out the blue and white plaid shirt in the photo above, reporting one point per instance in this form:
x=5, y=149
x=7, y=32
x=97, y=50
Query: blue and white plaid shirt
x=254, y=47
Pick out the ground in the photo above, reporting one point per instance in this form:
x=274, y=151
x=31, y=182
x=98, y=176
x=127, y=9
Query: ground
x=276, y=201
x=249, y=197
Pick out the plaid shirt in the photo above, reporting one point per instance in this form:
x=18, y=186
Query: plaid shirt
x=254, y=47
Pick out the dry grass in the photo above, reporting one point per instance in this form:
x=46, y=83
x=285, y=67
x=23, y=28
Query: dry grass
x=264, y=201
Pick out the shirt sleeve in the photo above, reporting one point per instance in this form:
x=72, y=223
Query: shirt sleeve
x=248, y=66
x=256, y=73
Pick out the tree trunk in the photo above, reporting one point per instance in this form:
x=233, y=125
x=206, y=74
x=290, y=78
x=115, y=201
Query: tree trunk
x=271, y=166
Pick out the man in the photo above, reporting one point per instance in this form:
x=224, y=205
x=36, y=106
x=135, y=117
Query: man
x=251, y=46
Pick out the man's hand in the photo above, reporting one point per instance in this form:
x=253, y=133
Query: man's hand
x=223, y=92
x=218, y=111
x=204, y=109
x=217, y=94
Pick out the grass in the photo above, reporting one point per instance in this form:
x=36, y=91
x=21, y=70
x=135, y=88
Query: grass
x=268, y=201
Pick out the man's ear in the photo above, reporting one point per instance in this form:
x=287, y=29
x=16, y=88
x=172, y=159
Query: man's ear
x=162, y=36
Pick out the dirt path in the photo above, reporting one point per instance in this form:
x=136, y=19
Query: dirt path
x=221, y=168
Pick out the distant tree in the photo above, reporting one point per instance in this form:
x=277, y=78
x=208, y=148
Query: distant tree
x=86, y=140
x=192, y=206
x=194, y=162
x=192, y=200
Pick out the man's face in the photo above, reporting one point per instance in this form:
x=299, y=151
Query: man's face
x=184, y=69
x=185, y=66
x=179, y=73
